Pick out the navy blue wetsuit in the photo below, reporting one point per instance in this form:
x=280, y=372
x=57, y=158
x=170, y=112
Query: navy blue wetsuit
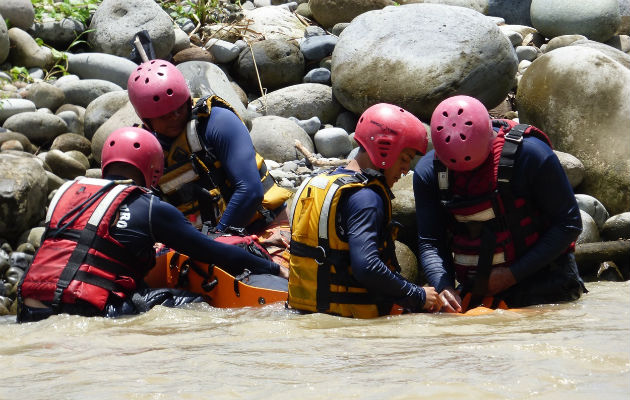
x=228, y=139
x=230, y=142
x=538, y=177
x=145, y=219
x=363, y=220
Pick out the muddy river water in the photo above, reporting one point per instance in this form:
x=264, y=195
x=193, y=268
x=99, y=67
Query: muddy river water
x=570, y=351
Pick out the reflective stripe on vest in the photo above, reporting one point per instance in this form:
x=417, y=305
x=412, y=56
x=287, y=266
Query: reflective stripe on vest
x=78, y=259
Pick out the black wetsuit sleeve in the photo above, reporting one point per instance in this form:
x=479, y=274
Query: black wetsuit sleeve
x=229, y=138
x=170, y=227
x=539, y=177
x=432, y=221
x=364, y=219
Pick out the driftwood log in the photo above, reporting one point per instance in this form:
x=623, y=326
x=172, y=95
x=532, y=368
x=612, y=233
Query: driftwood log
x=590, y=255
x=319, y=162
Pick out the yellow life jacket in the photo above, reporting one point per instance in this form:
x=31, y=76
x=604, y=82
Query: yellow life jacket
x=320, y=278
x=195, y=182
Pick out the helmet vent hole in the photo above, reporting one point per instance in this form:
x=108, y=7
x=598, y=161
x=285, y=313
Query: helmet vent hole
x=461, y=135
x=169, y=92
x=448, y=139
x=453, y=161
x=112, y=143
x=160, y=73
x=401, y=110
x=454, y=124
x=156, y=98
x=361, y=120
x=136, y=78
x=439, y=128
x=136, y=145
x=467, y=158
x=444, y=113
x=468, y=123
x=460, y=111
x=146, y=80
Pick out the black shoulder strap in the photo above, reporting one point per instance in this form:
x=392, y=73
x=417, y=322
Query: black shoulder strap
x=513, y=140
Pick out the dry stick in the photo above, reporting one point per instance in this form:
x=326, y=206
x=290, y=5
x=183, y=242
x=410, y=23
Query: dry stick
x=143, y=54
x=262, y=92
x=318, y=162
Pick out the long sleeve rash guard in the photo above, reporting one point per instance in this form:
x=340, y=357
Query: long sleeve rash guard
x=537, y=176
x=363, y=220
x=144, y=220
x=230, y=142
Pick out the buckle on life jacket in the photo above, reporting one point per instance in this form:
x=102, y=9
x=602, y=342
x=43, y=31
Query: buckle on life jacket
x=514, y=138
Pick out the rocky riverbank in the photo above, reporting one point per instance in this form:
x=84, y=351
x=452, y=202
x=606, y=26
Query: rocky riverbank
x=305, y=71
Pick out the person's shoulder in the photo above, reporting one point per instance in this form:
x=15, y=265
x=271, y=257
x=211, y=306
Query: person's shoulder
x=424, y=168
x=365, y=197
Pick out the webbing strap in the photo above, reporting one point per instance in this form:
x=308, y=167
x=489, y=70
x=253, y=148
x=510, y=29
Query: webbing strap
x=480, y=285
x=99, y=281
x=76, y=259
x=513, y=140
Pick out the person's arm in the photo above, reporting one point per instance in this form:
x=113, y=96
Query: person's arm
x=170, y=227
x=551, y=194
x=364, y=216
x=233, y=146
x=433, y=252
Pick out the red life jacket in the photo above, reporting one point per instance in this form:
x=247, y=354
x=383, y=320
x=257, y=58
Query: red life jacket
x=78, y=258
x=491, y=227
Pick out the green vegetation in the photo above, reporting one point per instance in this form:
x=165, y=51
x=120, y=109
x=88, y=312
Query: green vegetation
x=80, y=10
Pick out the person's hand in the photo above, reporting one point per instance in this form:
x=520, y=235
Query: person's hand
x=500, y=279
x=433, y=301
x=283, y=272
x=451, y=301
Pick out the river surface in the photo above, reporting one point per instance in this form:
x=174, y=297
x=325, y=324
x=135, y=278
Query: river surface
x=571, y=351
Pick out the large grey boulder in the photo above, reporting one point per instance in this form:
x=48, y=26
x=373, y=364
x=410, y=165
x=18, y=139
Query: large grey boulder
x=590, y=232
x=84, y=91
x=617, y=227
x=101, y=66
x=572, y=166
x=331, y=12
x=416, y=55
x=100, y=109
x=278, y=63
x=579, y=97
x=512, y=11
x=272, y=23
x=20, y=13
x=481, y=6
x=59, y=34
x=115, y=23
x=25, y=51
x=125, y=116
x=204, y=78
x=274, y=138
x=23, y=193
x=596, y=19
x=617, y=55
x=5, y=43
x=44, y=95
x=302, y=101
x=592, y=207
x=38, y=127
x=9, y=107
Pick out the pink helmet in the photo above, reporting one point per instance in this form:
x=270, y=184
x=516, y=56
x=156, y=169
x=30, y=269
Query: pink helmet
x=384, y=130
x=157, y=88
x=461, y=132
x=137, y=147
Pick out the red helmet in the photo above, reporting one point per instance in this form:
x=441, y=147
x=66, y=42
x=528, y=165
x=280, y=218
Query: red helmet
x=137, y=147
x=157, y=88
x=384, y=130
x=461, y=132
